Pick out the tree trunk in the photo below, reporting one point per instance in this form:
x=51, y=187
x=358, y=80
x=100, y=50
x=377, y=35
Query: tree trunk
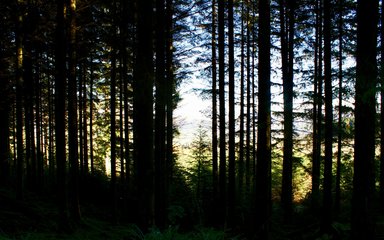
x=19, y=106
x=91, y=80
x=241, y=133
x=160, y=116
x=143, y=114
x=287, y=34
x=5, y=114
x=214, y=113
x=317, y=109
x=263, y=171
x=365, y=112
x=382, y=104
x=113, y=133
x=340, y=120
x=60, y=116
x=327, y=204
x=231, y=122
x=222, y=114
x=248, y=104
x=72, y=116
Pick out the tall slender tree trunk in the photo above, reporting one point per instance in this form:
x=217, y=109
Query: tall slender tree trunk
x=91, y=80
x=263, y=171
x=113, y=134
x=222, y=114
x=84, y=121
x=231, y=121
x=5, y=114
x=287, y=34
x=60, y=116
x=382, y=104
x=72, y=116
x=19, y=106
x=160, y=116
x=248, y=104
x=317, y=109
x=143, y=113
x=327, y=197
x=340, y=120
x=170, y=89
x=214, y=111
x=363, y=224
x=241, y=130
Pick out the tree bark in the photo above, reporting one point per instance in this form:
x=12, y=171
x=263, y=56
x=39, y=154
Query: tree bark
x=60, y=116
x=222, y=114
x=287, y=34
x=143, y=114
x=160, y=116
x=72, y=117
x=363, y=224
x=231, y=121
x=327, y=197
x=263, y=171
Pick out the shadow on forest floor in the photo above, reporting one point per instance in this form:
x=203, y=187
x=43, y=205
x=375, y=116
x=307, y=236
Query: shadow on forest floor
x=36, y=218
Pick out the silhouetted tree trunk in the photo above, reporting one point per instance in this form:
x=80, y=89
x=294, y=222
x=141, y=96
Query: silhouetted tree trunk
x=143, y=113
x=84, y=120
x=19, y=103
x=231, y=121
x=248, y=104
x=287, y=34
x=5, y=114
x=91, y=80
x=241, y=130
x=382, y=104
x=170, y=83
x=327, y=204
x=263, y=170
x=317, y=108
x=60, y=116
x=113, y=132
x=72, y=116
x=222, y=114
x=214, y=111
x=160, y=116
x=340, y=120
x=366, y=79
x=28, y=94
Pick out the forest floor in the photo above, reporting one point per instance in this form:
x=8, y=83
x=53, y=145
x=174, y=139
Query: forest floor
x=36, y=217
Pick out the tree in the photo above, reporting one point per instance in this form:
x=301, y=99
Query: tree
x=19, y=103
x=263, y=170
x=60, y=99
x=382, y=104
x=327, y=204
x=287, y=35
x=222, y=114
x=72, y=116
x=317, y=106
x=160, y=116
x=143, y=113
x=362, y=226
x=113, y=137
x=231, y=121
x=340, y=120
x=214, y=106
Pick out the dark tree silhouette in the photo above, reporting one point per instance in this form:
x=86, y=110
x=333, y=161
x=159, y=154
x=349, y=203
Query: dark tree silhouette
x=363, y=224
x=143, y=114
x=263, y=170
